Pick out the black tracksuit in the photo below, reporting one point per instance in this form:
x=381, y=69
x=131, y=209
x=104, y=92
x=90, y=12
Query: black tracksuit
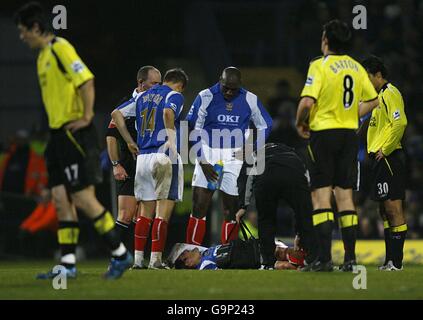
x=284, y=177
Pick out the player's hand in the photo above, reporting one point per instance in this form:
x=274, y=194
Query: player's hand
x=133, y=148
x=209, y=171
x=303, y=131
x=297, y=240
x=240, y=214
x=379, y=155
x=78, y=124
x=119, y=173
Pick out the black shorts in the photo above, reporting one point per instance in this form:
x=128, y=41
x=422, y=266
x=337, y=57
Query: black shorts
x=333, y=158
x=388, y=177
x=126, y=187
x=73, y=159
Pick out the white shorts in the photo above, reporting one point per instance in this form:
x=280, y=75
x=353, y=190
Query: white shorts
x=156, y=178
x=231, y=169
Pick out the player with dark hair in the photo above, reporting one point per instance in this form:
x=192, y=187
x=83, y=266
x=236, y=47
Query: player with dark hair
x=72, y=154
x=159, y=171
x=226, y=109
x=336, y=91
x=385, y=130
x=121, y=158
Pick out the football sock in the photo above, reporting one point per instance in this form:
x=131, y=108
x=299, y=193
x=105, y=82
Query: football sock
x=323, y=222
x=67, y=236
x=105, y=226
x=388, y=244
x=142, y=230
x=348, y=222
x=158, y=235
x=398, y=235
x=229, y=231
x=196, y=230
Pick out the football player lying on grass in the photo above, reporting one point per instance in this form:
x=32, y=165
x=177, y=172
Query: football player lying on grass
x=187, y=256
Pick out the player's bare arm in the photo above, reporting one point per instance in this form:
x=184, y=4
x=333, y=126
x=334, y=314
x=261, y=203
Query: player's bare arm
x=87, y=93
x=303, y=113
x=366, y=107
x=119, y=171
x=169, y=122
x=123, y=130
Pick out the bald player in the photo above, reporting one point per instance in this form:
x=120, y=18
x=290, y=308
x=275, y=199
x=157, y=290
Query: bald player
x=220, y=118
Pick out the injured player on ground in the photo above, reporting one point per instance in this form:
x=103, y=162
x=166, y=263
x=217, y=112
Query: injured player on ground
x=188, y=256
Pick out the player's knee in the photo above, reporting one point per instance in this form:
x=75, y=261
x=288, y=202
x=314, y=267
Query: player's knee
x=125, y=215
x=228, y=215
x=199, y=210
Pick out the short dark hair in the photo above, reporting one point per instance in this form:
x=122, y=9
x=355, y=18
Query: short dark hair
x=176, y=75
x=374, y=65
x=143, y=72
x=338, y=34
x=30, y=14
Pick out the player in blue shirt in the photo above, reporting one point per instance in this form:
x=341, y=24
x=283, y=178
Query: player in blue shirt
x=159, y=172
x=222, y=115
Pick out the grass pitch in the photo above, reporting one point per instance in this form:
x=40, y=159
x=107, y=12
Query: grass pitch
x=17, y=281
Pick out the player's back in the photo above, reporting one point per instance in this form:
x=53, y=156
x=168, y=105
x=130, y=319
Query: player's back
x=149, y=114
x=340, y=84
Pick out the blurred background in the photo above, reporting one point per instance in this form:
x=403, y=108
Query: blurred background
x=271, y=42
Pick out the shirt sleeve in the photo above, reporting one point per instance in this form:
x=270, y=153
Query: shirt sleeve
x=128, y=108
x=192, y=115
x=175, y=102
x=313, y=83
x=396, y=114
x=72, y=64
x=369, y=92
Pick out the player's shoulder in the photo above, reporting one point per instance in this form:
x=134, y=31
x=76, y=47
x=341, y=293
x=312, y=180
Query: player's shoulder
x=174, y=95
x=317, y=60
x=389, y=90
x=59, y=43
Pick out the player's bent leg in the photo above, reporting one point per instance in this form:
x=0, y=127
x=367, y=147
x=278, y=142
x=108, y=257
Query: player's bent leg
x=159, y=233
x=67, y=233
x=105, y=226
x=146, y=211
x=230, y=227
x=398, y=230
x=348, y=222
x=127, y=207
x=196, y=228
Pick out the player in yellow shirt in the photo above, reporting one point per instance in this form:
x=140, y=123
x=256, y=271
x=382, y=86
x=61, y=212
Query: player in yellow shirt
x=385, y=131
x=337, y=89
x=72, y=154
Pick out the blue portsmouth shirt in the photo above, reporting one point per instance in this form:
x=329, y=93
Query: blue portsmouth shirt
x=148, y=108
x=211, y=112
x=208, y=259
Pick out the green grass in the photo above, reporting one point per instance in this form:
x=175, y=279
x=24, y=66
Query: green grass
x=17, y=281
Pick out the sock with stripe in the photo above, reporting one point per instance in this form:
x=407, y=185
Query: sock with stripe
x=388, y=244
x=105, y=226
x=229, y=231
x=67, y=235
x=348, y=222
x=196, y=230
x=123, y=229
x=323, y=224
x=158, y=240
x=142, y=230
x=398, y=235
